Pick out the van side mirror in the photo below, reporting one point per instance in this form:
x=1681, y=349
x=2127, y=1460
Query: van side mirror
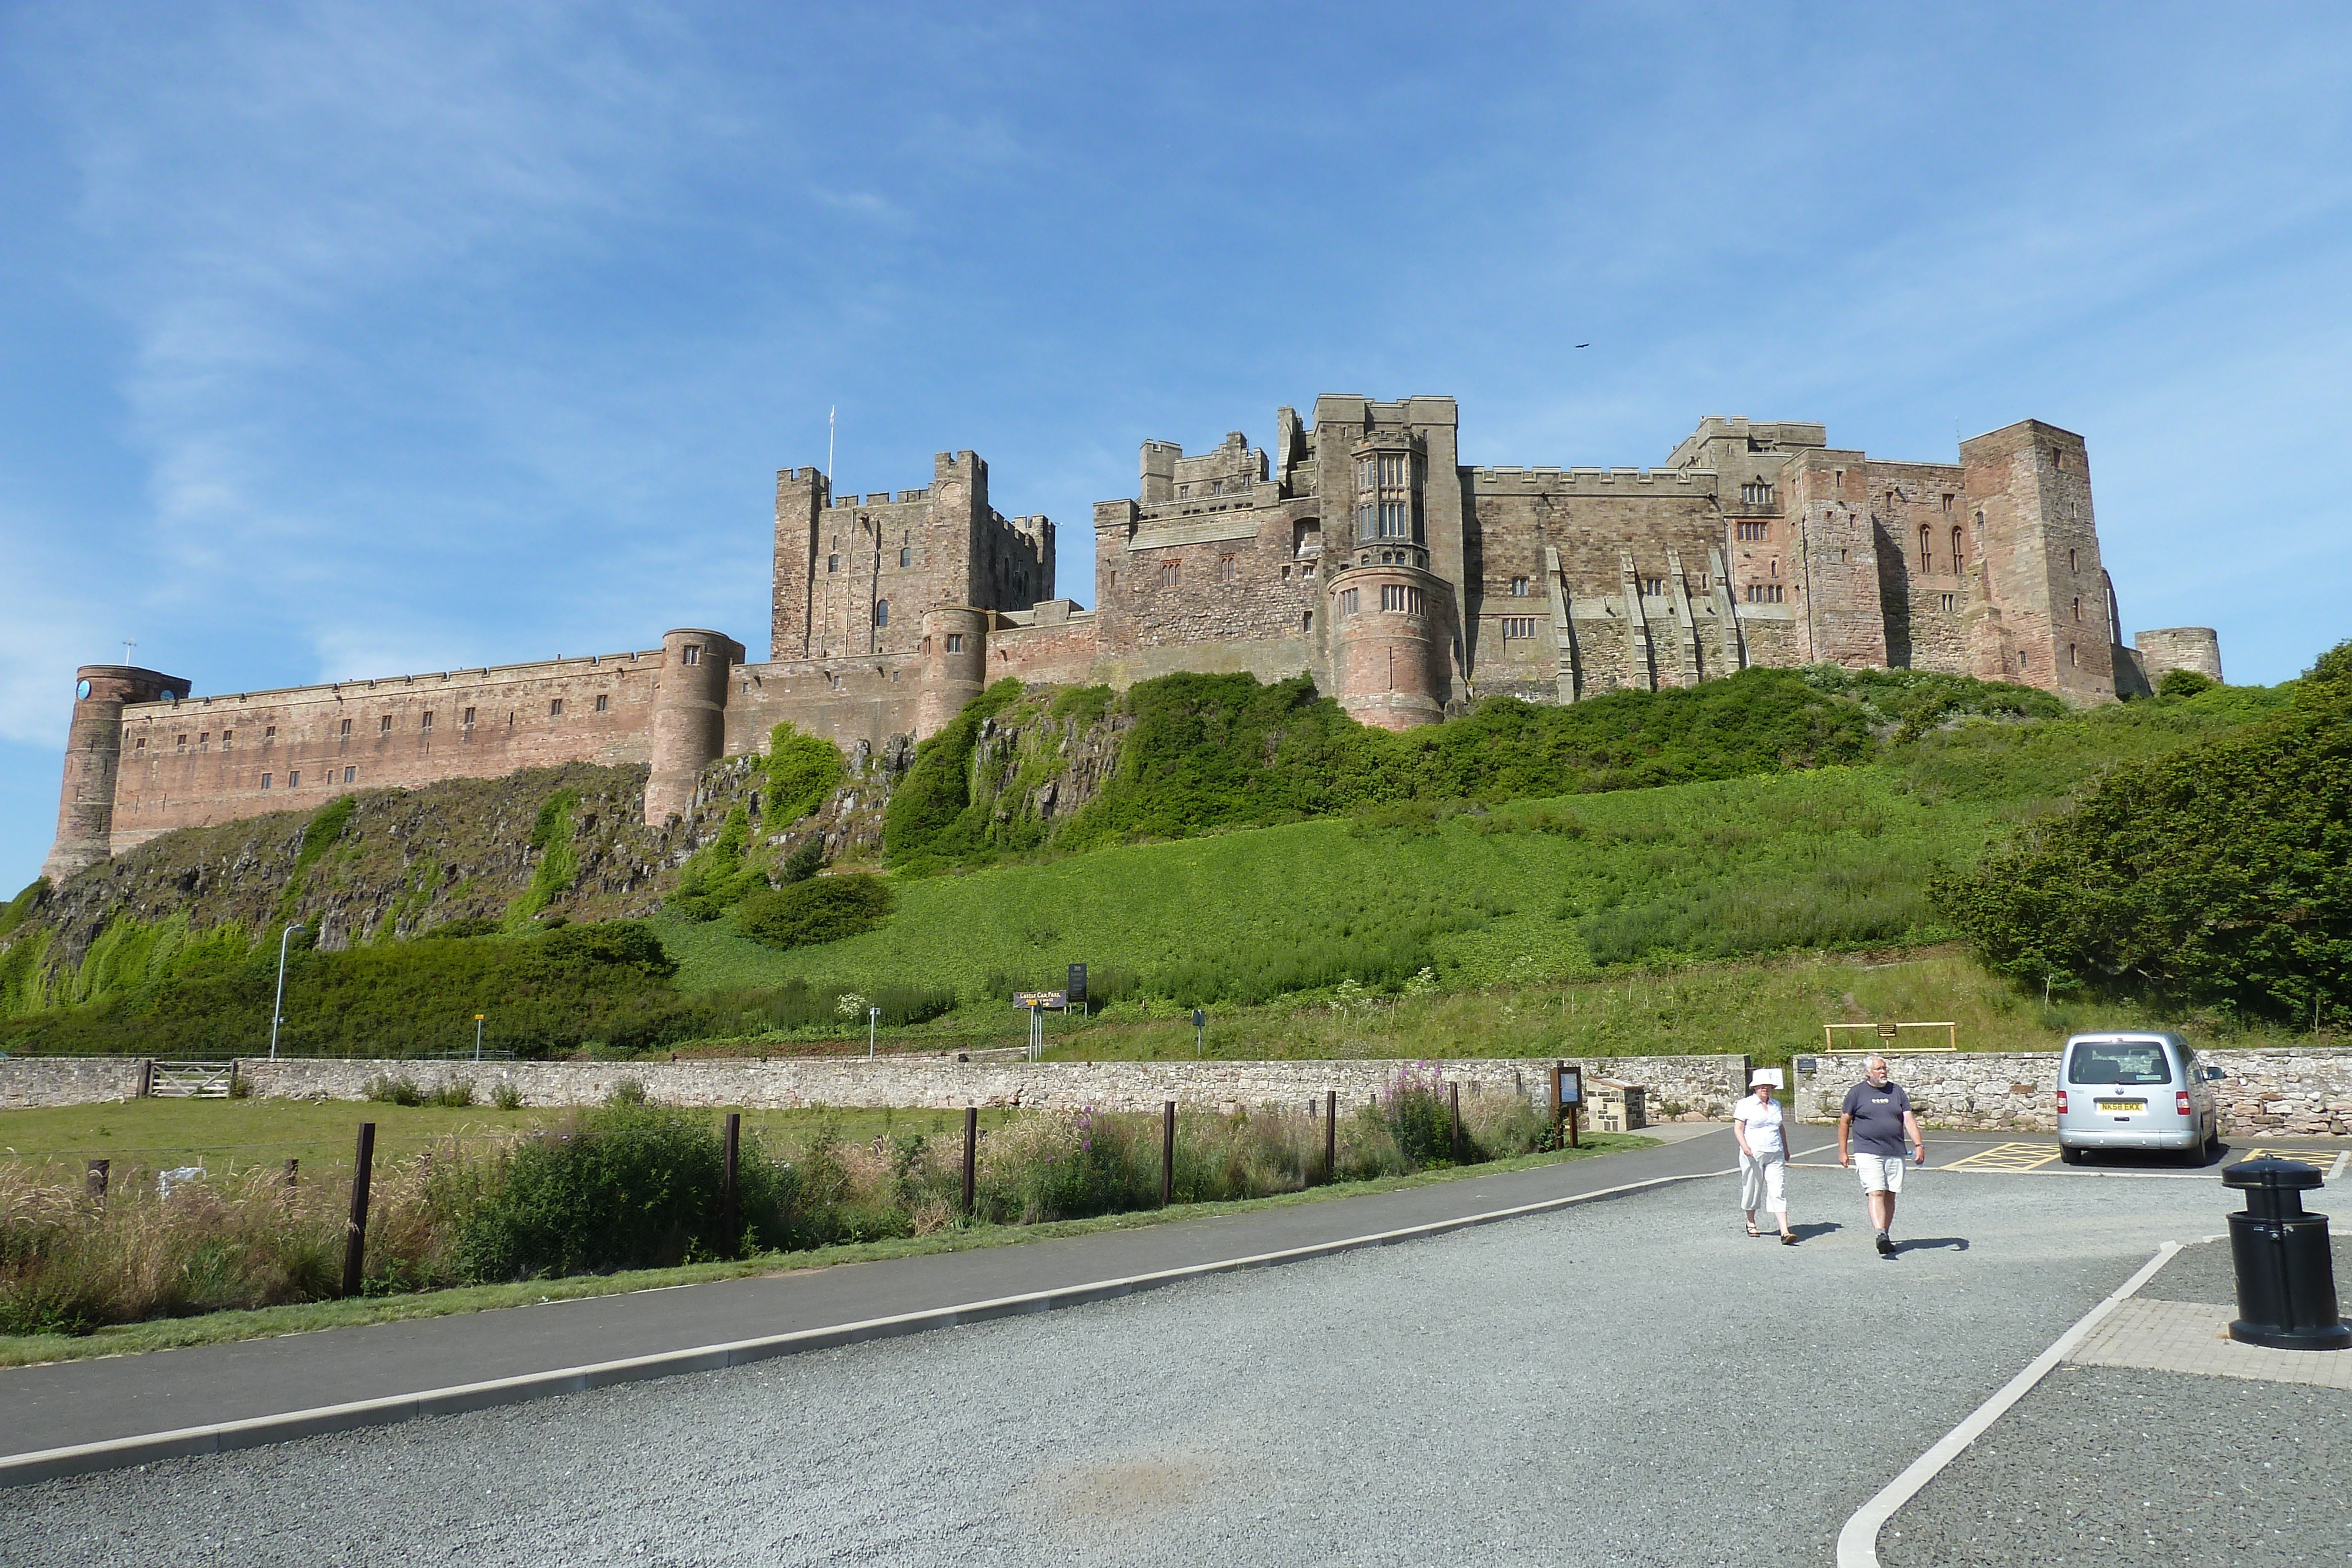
x=2210, y=1074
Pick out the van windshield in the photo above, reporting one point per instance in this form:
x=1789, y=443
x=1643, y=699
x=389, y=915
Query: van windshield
x=2132, y=1061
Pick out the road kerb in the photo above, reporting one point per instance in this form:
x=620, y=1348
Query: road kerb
x=117, y=1453
x=1857, y=1544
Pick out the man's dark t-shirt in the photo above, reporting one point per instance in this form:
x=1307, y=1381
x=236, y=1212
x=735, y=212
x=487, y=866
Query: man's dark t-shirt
x=1877, y=1117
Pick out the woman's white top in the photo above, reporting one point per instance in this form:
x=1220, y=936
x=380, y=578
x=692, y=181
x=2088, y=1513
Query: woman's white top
x=1763, y=1119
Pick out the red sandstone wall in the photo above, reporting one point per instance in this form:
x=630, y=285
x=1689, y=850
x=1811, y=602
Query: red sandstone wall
x=204, y=759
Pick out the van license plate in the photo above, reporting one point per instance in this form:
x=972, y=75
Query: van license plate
x=2123, y=1104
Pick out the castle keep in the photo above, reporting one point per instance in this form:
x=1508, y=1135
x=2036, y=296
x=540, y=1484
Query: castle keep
x=1358, y=550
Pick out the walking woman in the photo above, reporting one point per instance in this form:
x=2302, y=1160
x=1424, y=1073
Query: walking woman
x=1758, y=1126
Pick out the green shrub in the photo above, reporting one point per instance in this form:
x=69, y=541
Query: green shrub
x=559, y=861
x=2183, y=683
x=2220, y=876
x=627, y=1186
x=802, y=864
x=452, y=1094
x=936, y=790
x=457, y=929
x=825, y=910
x=506, y=1096
x=803, y=771
x=386, y=1089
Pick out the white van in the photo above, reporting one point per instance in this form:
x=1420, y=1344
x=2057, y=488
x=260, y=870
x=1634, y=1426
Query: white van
x=2135, y=1090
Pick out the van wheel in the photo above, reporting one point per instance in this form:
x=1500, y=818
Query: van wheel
x=2072, y=1156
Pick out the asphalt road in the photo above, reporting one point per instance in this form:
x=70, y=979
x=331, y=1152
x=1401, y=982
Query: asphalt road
x=1633, y=1383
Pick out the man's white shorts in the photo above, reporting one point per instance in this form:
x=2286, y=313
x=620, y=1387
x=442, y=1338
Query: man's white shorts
x=1879, y=1173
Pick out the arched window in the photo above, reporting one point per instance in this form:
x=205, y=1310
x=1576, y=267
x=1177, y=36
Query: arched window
x=1927, y=555
x=881, y=612
x=1959, y=550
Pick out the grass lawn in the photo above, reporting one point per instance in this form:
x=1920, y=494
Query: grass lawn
x=225, y=1136
x=220, y=1328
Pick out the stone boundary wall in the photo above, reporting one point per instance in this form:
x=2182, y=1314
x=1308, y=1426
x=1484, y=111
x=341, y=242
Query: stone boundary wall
x=1705, y=1086
x=30, y=1082
x=2301, y=1094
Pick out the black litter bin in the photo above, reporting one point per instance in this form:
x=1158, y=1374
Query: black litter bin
x=2286, y=1275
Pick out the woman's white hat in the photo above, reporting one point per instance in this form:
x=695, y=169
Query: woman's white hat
x=1765, y=1075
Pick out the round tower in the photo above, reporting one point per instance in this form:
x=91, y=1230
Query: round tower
x=2196, y=648
x=93, y=755
x=955, y=665
x=689, y=717
x=1388, y=612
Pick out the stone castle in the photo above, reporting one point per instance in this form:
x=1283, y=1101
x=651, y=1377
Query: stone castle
x=1359, y=551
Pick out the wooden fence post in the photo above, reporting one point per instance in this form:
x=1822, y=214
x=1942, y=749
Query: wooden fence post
x=1168, y=1154
x=293, y=1179
x=971, y=1156
x=93, y=1180
x=1454, y=1092
x=355, y=1233
x=727, y=1237
x=1331, y=1135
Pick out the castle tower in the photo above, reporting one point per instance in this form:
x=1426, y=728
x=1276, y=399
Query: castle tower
x=2196, y=648
x=689, y=717
x=2028, y=488
x=955, y=665
x=93, y=756
x=802, y=497
x=1390, y=617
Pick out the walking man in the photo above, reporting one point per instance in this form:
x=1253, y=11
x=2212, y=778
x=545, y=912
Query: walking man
x=1871, y=1126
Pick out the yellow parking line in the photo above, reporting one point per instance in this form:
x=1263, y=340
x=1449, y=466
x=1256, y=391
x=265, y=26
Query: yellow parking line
x=2007, y=1157
x=2331, y=1163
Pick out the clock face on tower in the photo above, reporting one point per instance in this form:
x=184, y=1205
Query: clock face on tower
x=81, y=688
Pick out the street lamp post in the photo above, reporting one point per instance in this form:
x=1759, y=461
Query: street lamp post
x=873, y=1017
x=278, y=1008
x=478, y=1037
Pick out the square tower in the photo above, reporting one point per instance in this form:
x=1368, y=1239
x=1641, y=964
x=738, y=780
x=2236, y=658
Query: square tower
x=2028, y=487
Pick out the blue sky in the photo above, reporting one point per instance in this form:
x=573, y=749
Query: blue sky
x=340, y=340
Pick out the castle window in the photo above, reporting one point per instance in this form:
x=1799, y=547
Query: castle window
x=1959, y=551
x=424, y=725
x=1348, y=604
x=228, y=737
x=268, y=736
x=265, y=781
x=1401, y=597
x=605, y=703
x=1947, y=603
x=1764, y=594
x=833, y=563
x=955, y=642
x=1308, y=571
x=1171, y=574
x=555, y=708
x=2071, y=659
x=294, y=779
x=1751, y=533
x=881, y=612
x=2078, y=609
x=205, y=738
x=350, y=775
x=690, y=654
x=2073, y=562
x=468, y=720
x=906, y=557
x=1286, y=571
x=1654, y=588
x=1518, y=587
x=1228, y=569
x=1756, y=493
x=343, y=730
x=1947, y=503
x=1519, y=626
x=183, y=745
x=383, y=725
x=142, y=746
x=1307, y=621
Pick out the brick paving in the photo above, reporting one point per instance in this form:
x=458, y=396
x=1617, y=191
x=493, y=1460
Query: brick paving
x=2193, y=1336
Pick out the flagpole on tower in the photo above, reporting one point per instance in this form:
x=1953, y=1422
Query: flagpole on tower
x=828, y=451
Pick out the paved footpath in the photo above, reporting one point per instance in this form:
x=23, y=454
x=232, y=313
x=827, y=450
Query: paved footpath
x=109, y=1400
